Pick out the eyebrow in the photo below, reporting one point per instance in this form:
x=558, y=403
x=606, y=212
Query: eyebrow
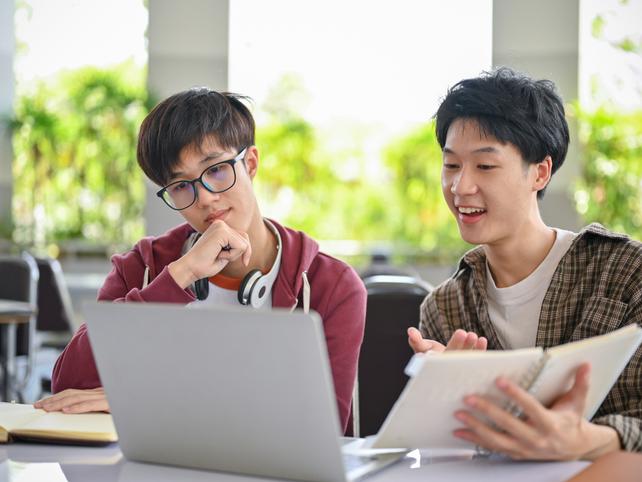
x=208, y=157
x=481, y=150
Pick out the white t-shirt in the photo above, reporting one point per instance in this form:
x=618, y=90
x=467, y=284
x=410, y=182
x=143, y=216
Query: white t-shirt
x=514, y=311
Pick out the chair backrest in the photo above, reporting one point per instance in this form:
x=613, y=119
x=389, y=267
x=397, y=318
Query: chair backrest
x=19, y=282
x=55, y=310
x=393, y=305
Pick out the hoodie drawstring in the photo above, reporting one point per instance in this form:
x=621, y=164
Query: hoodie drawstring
x=306, y=294
x=146, y=277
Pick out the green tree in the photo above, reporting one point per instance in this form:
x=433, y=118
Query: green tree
x=75, y=166
x=342, y=194
x=610, y=188
x=422, y=217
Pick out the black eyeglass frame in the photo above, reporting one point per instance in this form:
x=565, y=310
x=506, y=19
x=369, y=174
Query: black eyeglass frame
x=240, y=157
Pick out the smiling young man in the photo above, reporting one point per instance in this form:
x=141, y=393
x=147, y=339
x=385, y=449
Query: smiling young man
x=503, y=135
x=199, y=146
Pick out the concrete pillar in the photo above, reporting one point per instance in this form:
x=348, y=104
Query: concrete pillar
x=188, y=46
x=542, y=39
x=7, y=94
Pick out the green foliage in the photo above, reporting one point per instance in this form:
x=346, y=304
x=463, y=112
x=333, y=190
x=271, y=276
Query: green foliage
x=307, y=187
x=423, y=219
x=343, y=195
x=328, y=192
x=625, y=44
x=629, y=45
x=597, y=26
x=610, y=189
x=75, y=172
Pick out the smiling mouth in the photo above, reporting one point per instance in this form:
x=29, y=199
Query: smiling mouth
x=468, y=211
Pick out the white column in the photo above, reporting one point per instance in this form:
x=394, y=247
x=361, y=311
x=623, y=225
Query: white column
x=542, y=39
x=188, y=46
x=7, y=94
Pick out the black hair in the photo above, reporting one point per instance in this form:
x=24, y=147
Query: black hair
x=511, y=107
x=185, y=120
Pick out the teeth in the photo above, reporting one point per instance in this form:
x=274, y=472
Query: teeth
x=470, y=210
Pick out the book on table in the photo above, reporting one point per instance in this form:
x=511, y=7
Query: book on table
x=423, y=416
x=24, y=422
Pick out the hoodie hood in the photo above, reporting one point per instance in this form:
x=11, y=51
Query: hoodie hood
x=299, y=253
x=158, y=252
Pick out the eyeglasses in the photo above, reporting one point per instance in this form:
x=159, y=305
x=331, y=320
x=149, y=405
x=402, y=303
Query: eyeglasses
x=216, y=178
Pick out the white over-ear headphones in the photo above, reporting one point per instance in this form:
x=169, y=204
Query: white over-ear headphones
x=256, y=287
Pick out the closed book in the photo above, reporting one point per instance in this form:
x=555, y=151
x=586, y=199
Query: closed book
x=24, y=422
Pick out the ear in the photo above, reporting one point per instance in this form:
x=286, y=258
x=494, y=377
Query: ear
x=252, y=161
x=543, y=172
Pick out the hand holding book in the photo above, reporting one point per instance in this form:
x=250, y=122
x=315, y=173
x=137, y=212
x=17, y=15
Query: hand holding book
x=539, y=433
x=554, y=391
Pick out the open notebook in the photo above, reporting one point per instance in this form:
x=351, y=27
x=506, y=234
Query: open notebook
x=18, y=421
x=423, y=415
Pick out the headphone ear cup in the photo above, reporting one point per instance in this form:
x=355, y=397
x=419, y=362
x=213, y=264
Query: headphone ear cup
x=202, y=288
x=247, y=285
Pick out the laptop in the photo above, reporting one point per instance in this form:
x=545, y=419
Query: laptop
x=225, y=389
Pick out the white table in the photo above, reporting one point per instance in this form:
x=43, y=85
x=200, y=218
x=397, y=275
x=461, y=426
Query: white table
x=106, y=464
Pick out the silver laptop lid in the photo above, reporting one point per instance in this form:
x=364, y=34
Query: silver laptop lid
x=229, y=389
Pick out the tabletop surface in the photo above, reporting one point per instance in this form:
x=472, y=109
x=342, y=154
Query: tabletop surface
x=15, y=307
x=15, y=311
x=58, y=463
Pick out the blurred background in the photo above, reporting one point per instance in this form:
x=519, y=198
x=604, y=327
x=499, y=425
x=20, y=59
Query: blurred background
x=343, y=93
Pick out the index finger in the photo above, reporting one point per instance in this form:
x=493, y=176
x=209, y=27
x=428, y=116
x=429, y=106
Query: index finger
x=520, y=398
x=419, y=344
x=55, y=397
x=247, y=255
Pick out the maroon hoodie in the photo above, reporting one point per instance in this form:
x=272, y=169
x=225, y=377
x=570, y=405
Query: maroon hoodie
x=336, y=293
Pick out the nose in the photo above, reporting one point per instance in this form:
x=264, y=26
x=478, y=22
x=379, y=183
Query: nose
x=203, y=196
x=463, y=183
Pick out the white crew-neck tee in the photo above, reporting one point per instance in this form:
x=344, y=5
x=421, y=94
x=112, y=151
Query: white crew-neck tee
x=514, y=311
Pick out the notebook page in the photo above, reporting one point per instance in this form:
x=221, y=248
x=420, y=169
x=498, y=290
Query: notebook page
x=423, y=417
x=608, y=355
x=14, y=415
x=83, y=426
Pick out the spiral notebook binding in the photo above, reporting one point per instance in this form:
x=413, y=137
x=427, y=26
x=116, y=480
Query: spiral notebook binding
x=529, y=382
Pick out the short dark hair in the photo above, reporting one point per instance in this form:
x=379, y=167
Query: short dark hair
x=185, y=120
x=511, y=107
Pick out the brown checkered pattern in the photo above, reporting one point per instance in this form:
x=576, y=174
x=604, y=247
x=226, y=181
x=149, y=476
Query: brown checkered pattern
x=596, y=288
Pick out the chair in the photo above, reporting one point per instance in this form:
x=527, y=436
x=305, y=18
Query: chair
x=55, y=322
x=380, y=263
x=392, y=306
x=19, y=282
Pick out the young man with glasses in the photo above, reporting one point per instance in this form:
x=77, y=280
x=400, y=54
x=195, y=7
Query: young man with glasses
x=199, y=145
x=503, y=135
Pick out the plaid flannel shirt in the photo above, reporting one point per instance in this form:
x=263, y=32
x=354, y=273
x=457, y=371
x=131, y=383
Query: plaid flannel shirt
x=596, y=288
